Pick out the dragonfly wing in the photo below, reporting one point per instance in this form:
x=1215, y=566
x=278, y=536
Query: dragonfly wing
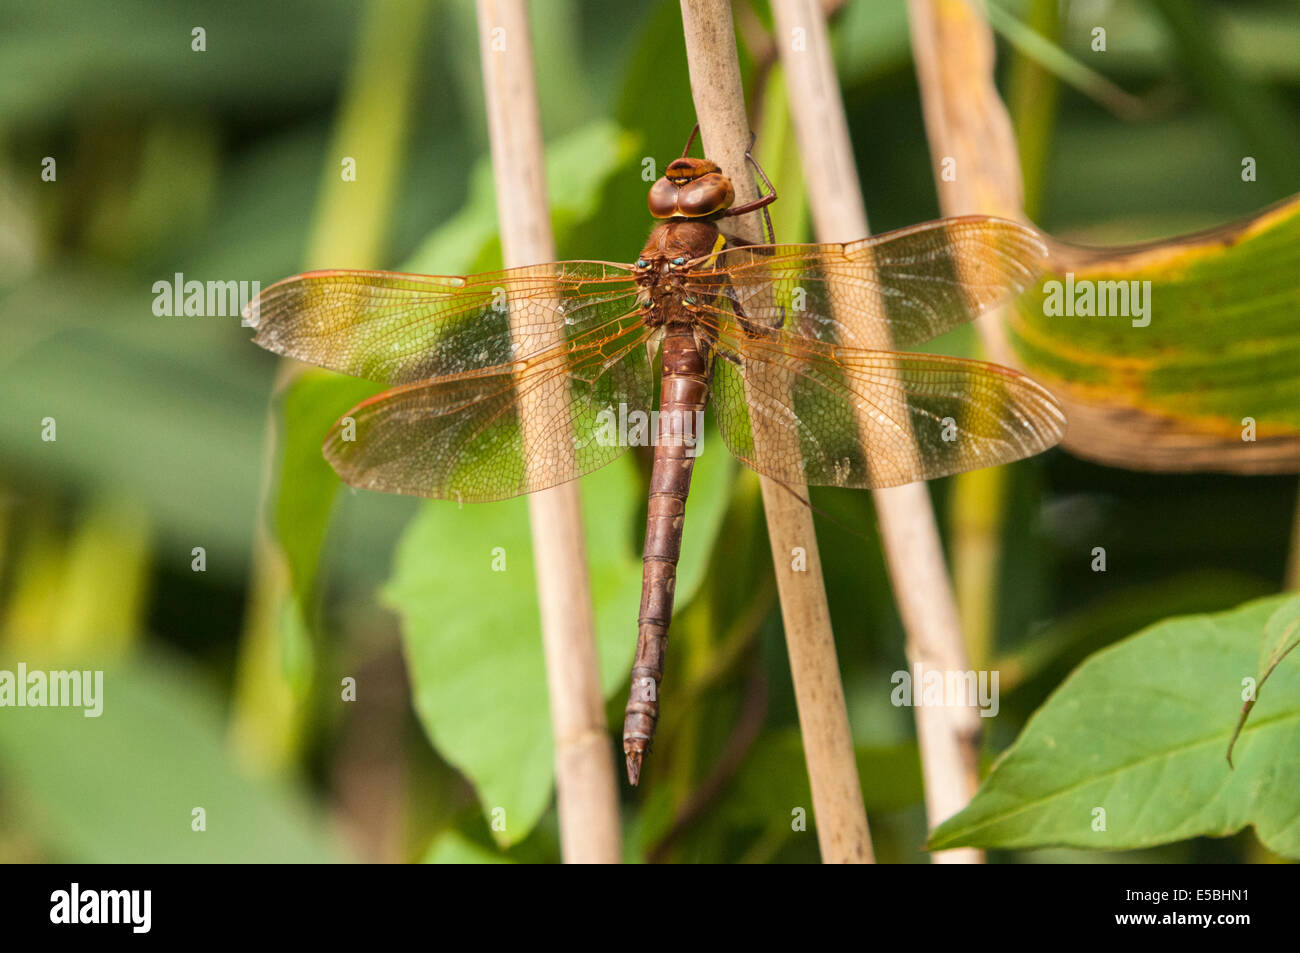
x=396, y=328
x=460, y=437
x=834, y=416
x=899, y=289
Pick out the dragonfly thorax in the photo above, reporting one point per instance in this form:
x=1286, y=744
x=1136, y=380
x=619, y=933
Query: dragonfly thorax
x=673, y=250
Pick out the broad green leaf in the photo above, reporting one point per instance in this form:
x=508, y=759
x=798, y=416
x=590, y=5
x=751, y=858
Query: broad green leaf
x=308, y=486
x=1281, y=635
x=121, y=787
x=463, y=583
x=1128, y=752
x=1201, y=368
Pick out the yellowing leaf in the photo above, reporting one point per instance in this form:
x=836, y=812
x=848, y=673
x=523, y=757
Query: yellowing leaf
x=1200, y=367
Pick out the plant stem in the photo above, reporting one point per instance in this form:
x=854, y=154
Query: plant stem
x=979, y=498
x=584, y=772
x=976, y=510
x=841, y=818
x=965, y=120
x=1034, y=95
x=947, y=736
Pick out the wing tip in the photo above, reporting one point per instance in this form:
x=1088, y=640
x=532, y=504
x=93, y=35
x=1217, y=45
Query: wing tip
x=251, y=317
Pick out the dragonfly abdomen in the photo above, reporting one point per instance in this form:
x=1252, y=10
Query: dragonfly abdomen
x=681, y=406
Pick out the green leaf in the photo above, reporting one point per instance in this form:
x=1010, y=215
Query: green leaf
x=1281, y=635
x=308, y=486
x=1138, y=731
x=472, y=632
x=120, y=787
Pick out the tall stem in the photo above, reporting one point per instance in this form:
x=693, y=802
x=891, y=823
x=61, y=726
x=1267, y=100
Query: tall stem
x=841, y=818
x=947, y=735
x=584, y=769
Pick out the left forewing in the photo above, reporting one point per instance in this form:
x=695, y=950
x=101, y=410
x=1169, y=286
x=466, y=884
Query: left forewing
x=397, y=328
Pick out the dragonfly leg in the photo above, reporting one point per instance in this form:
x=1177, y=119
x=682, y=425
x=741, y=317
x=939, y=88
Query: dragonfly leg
x=771, y=190
x=728, y=356
x=750, y=326
x=691, y=141
x=762, y=202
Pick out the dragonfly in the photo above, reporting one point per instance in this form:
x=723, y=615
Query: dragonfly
x=513, y=381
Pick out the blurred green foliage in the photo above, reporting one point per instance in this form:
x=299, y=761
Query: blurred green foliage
x=212, y=164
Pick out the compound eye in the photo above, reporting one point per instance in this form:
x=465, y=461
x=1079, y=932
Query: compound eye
x=679, y=261
x=642, y=263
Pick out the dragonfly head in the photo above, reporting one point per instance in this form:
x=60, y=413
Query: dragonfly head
x=691, y=188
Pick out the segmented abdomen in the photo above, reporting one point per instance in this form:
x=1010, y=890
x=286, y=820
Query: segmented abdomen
x=681, y=405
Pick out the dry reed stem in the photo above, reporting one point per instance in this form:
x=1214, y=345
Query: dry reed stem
x=965, y=119
x=584, y=769
x=841, y=818
x=947, y=736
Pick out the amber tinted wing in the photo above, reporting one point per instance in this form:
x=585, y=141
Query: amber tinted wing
x=863, y=418
x=459, y=437
x=396, y=328
x=911, y=284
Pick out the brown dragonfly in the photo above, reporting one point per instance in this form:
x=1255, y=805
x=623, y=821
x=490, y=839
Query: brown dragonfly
x=509, y=382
